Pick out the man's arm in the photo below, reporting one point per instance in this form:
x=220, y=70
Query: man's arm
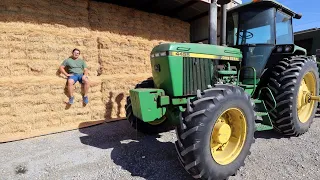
x=64, y=71
x=85, y=68
x=85, y=71
x=62, y=68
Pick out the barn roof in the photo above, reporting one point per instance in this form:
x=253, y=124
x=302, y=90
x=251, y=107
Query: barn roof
x=185, y=10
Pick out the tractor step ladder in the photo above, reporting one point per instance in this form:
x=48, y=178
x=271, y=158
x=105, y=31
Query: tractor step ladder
x=263, y=112
x=248, y=87
x=257, y=101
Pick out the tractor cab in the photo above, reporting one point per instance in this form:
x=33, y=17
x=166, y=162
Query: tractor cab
x=261, y=29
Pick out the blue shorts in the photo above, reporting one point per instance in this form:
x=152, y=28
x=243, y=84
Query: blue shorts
x=76, y=77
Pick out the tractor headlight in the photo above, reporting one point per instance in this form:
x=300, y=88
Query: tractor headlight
x=159, y=54
x=163, y=53
x=287, y=48
x=279, y=49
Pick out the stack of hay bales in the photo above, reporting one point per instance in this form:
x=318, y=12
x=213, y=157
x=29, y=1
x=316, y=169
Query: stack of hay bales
x=36, y=36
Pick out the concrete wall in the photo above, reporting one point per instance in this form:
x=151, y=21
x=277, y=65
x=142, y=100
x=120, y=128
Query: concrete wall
x=36, y=36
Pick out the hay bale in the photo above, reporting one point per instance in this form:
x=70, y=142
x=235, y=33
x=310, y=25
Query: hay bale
x=36, y=36
x=115, y=89
x=36, y=101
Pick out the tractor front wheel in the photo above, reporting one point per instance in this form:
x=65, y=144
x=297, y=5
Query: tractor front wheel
x=216, y=132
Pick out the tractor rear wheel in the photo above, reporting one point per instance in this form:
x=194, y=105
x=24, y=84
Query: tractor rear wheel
x=216, y=132
x=157, y=126
x=293, y=81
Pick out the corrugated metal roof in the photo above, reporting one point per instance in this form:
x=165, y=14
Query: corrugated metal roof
x=307, y=31
x=185, y=10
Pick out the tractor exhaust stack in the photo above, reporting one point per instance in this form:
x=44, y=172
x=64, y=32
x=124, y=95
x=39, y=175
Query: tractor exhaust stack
x=223, y=21
x=223, y=25
x=213, y=22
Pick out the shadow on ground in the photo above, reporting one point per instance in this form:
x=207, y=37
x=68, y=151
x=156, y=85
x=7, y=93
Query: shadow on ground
x=141, y=155
x=272, y=134
x=269, y=134
x=149, y=157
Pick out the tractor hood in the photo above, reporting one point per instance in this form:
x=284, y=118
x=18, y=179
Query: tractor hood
x=180, y=69
x=197, y=51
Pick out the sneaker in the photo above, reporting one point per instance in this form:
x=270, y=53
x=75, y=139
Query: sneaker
x=85, y=99
x=71, y=100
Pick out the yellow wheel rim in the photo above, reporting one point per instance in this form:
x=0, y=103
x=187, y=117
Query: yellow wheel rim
x=307, y=89
x=228, y=136
x=159, y=121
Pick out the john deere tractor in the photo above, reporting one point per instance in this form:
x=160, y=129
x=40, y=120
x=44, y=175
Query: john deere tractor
x=217, y=96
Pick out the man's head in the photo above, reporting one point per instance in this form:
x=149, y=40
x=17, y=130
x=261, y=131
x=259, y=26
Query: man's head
x=75, y=53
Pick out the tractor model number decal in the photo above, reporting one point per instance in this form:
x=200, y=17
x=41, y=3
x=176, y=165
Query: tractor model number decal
x=184, y=54
x=205, y=56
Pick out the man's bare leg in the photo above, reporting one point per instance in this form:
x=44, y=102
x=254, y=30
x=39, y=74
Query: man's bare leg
x=70, y=90
x=85, y=87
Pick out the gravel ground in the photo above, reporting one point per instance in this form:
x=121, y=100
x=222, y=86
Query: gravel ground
x=115, y=151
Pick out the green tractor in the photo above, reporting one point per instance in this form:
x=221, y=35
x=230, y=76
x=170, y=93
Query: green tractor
x=216, y=97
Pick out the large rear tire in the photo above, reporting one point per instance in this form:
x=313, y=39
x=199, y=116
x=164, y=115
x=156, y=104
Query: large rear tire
x=216, y=132
x=155, y=127
x=292, y=83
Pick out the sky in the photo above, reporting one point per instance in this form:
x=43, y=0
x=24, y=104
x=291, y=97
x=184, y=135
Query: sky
x=310, y=10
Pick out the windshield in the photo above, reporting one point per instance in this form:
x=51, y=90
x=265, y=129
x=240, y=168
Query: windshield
x=284, y=28
x=251, y=27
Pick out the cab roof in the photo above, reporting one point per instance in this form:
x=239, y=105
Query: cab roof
x=265, y=3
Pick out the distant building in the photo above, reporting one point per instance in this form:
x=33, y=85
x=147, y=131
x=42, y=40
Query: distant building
x=308, y=39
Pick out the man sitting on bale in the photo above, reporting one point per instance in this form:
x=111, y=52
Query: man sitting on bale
x=77, y=71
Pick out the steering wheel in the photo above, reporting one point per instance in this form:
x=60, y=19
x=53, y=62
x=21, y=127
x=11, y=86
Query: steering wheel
x=248, y=36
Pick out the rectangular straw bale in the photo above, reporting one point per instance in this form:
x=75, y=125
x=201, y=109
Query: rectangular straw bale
x=25, y=90
x=35, y=99
x=112, y=68
x=5, y=108
x=5, y=91
x=40, y=120
x=117, y=19
x=4, y=69
x=115, y=90
x=14, y=128
x=44, y=11
x=83, y=4
x=18, y=68
x=24, y=108
x=115, y=105
x=5, y=119
x=122, y=82
x=18, y=54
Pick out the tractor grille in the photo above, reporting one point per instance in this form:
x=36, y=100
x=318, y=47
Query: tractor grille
x=197, y=74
